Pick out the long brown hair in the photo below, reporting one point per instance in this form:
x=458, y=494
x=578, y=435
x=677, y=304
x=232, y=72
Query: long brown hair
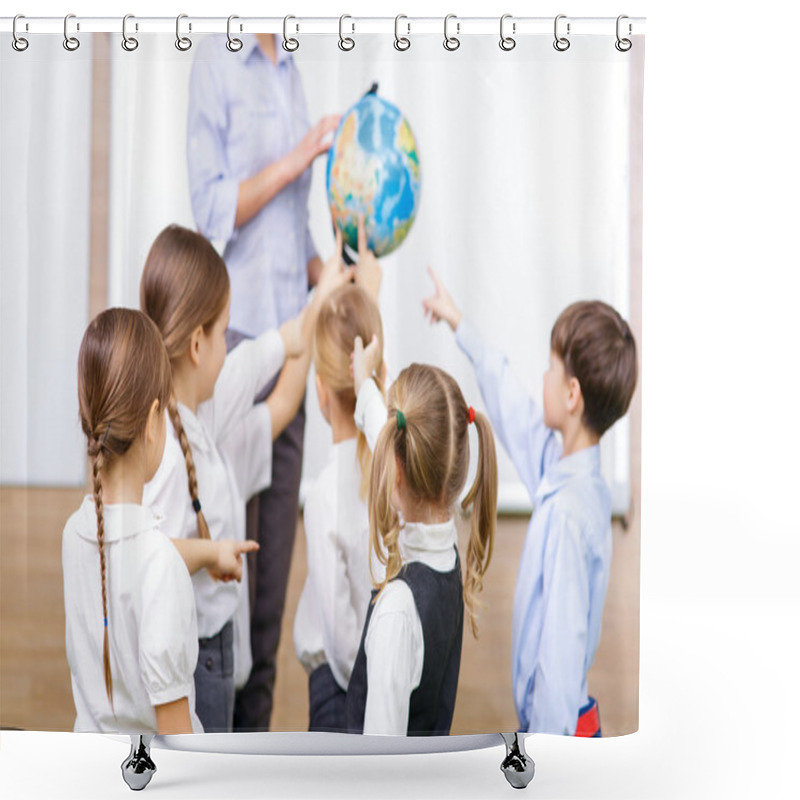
x=184, y=285
x=431, y=447
x=349, y=312
x=122, y=368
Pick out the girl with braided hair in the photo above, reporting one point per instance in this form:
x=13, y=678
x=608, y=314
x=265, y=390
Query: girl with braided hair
x=218, y=452
x=130, y=626
x=406, y=672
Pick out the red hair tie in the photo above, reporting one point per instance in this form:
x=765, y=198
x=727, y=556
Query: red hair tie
x=471, y=415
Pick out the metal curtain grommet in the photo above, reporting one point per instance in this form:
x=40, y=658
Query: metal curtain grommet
x=19, y=43
x=290, y=44
x=561, y=43
x=71, y=43
x=507, y=42
x=401, y=43
x=345, y=42
x=451, y=42
x=623, y=45
x=183, y=43
x=128, y=42
x=233, y=44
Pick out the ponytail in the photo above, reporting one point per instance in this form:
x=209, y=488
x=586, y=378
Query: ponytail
x=482, y=496
x=174, y=415
x=384, y=522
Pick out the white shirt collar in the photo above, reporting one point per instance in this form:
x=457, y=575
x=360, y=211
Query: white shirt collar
x=120, y=520
x=421, y=542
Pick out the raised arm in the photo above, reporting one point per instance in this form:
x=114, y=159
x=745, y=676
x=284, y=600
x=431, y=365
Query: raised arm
x=370, y=412
x=284, y=400
x=516, y=419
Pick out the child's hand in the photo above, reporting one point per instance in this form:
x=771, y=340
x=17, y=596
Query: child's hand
x=228, y=564
x=440, y=305
x=333, y=274
x=292, y=335
x=364, y=361
x=368, y=271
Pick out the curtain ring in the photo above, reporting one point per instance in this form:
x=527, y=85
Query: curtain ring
x=233, y=44
x=507, y=42
x=19, y=43
x=561, y=43
x=345, y=42
x=451, y=42
x=401, y=43
x=128, y=42
x=183, y=43
x=623, y=45
x=290, y=44
x=71, y=43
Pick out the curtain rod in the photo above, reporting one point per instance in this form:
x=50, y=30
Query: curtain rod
x=301, y=25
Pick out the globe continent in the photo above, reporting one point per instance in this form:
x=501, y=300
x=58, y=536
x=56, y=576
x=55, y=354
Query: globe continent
x=373, y=169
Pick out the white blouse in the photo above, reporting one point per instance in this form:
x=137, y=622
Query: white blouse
x=231, y=441
x=395, y=646
x=333, y=605
x=152, y=627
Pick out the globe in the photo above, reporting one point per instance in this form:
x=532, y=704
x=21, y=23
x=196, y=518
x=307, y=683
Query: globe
x=373, y=169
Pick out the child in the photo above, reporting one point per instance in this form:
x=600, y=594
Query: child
x=219, y=444
x=132, y=625
x=563, y=573
x=406, y=671
x=333, y=606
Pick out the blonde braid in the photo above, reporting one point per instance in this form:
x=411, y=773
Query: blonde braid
x=202, y=525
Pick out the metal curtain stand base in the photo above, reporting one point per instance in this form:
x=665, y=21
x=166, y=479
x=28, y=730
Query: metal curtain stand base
x=518, y=766
x=138, y=768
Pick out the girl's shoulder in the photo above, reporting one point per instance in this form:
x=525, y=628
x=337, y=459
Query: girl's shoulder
x=395, y=599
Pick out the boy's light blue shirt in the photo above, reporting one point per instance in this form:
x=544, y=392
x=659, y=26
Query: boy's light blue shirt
x=245, y=113
x=563, y=572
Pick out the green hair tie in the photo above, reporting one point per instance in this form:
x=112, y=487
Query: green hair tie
x=401, y=421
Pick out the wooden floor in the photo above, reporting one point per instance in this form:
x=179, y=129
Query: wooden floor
x=34, y=677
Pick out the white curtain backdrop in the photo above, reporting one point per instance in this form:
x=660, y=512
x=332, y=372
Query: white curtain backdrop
x=525, y=161
x=45, y=150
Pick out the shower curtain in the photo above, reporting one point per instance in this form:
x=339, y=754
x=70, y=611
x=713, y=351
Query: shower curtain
x=530, y=165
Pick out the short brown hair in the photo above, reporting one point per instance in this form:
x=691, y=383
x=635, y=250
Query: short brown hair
x=597, y=347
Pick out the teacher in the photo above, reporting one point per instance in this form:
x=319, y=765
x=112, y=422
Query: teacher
x=249, y=152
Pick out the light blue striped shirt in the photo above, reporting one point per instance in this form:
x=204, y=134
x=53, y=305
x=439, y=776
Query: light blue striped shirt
x=563, y=571
x=245, y=113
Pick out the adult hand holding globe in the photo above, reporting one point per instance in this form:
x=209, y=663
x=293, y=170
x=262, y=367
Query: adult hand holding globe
x=373, y=170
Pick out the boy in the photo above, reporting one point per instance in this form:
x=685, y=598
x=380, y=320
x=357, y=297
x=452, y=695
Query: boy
x=563, y=573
